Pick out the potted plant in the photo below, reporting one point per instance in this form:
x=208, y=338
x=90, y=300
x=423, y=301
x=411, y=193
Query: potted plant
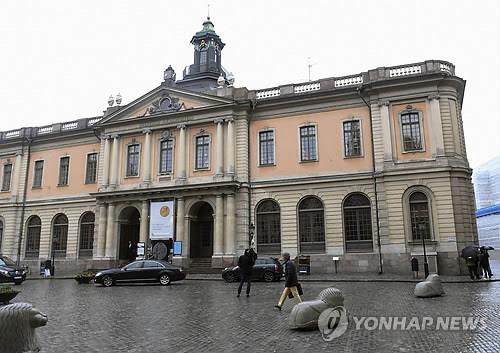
x=85, y=277
x=7, y=293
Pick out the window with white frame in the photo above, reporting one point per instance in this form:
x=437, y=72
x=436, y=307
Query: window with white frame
x=91, y=176
x=308, y=143
x=202, y=152
x=411, y=131
x=7, y=175
x=63, y=171
x=133, y=160
x=420, y=216
x=166, y=156
x=38, y=174
x=352, y=138
x=266, y=147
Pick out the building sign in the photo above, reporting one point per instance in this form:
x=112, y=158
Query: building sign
x=178, y=248
x=161, y=220
x=140, y=249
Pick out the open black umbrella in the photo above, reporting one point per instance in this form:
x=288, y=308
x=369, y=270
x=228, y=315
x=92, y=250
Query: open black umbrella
x=470, y=251
x=488, y=247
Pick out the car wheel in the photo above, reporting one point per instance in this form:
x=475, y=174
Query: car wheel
x=229, y=277
x=268, y=276
x=107, y=281
x=164, y=279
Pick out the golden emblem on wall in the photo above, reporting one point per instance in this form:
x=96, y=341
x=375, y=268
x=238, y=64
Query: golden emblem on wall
x=164, y=211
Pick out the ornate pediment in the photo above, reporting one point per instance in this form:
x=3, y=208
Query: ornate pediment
x=165, y=103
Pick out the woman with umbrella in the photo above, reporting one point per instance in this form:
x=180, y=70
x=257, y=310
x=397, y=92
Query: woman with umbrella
x=484, y=261
x=471, y=255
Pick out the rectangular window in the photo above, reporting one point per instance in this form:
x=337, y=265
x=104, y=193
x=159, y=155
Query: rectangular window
x=133, y=160
x=410, y=130
x=352, y=138
x=37, y=178
x=166, y=156
x=203, y=57
x=63, y=171
x=202, y=152
x=91, y=176
x=7, y=174
x=308, y=143
x=266, y=147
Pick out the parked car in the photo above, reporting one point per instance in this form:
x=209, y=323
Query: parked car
x=10, y=272
x=141, y=271
x=267, y=269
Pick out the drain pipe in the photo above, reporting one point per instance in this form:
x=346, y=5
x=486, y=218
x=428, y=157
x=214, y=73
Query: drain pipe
x=251, y=228
x=380, y=261
x=23, y=203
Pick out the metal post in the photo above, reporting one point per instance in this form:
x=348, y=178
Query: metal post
x=426, y=265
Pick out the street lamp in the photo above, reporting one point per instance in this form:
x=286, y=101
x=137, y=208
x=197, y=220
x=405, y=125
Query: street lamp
x=251, y=232
x=421, y=228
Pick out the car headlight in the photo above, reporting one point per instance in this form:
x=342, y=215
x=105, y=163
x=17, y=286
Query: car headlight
x=98, y=274
x=225, y=269
x=4, y=272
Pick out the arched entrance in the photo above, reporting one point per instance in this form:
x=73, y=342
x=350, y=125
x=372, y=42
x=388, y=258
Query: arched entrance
x=129, y=221
x=201, y=230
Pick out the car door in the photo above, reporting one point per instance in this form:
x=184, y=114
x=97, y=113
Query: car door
x=151, y=270
x=132, y=272
x=258, y=269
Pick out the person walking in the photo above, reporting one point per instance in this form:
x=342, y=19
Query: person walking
x=291, y=282
x=472, y=264
x=245, y=263
x=484, y=261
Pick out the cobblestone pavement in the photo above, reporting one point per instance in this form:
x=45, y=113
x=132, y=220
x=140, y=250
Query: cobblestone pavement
x=205, y=316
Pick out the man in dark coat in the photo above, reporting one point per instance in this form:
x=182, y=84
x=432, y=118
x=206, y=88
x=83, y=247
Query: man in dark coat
x=245, y=263
x=291, y=282
x=484, y=262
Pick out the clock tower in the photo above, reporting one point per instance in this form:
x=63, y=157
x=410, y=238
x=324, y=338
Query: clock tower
x=206, y=69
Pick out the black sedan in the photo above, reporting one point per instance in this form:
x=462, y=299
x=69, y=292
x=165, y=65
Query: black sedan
x=141, y=271
x=9, y=272
x=267, y=269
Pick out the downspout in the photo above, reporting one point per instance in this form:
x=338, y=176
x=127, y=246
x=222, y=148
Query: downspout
x=252, y=105
x=23, y=203
x=374, y=179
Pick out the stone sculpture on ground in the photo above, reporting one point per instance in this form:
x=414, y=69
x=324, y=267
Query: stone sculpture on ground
x=17, y=328
x=431, y=287
x=305, y=315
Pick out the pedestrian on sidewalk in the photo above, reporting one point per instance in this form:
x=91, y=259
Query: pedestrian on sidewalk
x=245, y=263
x=291, y=282
x=484, y=262
x=473, y=264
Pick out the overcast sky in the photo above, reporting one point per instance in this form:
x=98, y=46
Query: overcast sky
x=60, y=60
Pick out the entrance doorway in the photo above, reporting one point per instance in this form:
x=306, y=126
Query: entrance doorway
x=201, y=230
x=129, y=221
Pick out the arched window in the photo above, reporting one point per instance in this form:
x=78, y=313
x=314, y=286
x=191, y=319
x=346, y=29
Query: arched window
x=87, y=234
x=311, y=226
x=34, y=229
x=1, y=234
x=60, y=235
x=420, y=216
x=357, y=224
x=268, y=228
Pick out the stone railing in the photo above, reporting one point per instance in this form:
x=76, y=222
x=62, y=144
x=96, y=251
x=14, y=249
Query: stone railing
x=12, y=133
x=378, y=74
x=69, y=125
x=94, y=121
x=44, y=130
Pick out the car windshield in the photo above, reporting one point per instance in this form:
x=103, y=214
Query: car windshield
x=5, y=261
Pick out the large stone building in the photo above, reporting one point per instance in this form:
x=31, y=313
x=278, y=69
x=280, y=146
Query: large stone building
x=361, y=167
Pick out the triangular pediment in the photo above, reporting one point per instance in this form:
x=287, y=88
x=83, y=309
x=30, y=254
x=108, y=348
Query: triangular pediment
x=164, y=100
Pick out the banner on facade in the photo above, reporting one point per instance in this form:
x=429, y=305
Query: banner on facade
x=161, y=220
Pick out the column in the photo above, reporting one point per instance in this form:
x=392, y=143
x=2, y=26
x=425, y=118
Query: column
x=147, y=156
x=230, y=228
x=386, y=130
x=101, y=231
x=219, y=225
x=107, y=155
x=16, y=176
x=110, y=232
x=230, y=146
x=436, y=127
x=219, y=168
x=143, y=232
x=182, y=156
x=114, y=160
x=179, y=222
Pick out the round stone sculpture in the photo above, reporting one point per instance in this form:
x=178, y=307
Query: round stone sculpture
x=305, y=315
x=431, y=287
x=17, y=326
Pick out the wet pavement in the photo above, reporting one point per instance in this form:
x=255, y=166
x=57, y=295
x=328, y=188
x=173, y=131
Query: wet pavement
x=206, y=316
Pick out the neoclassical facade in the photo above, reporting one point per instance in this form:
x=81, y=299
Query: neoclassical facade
x=366, y=168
